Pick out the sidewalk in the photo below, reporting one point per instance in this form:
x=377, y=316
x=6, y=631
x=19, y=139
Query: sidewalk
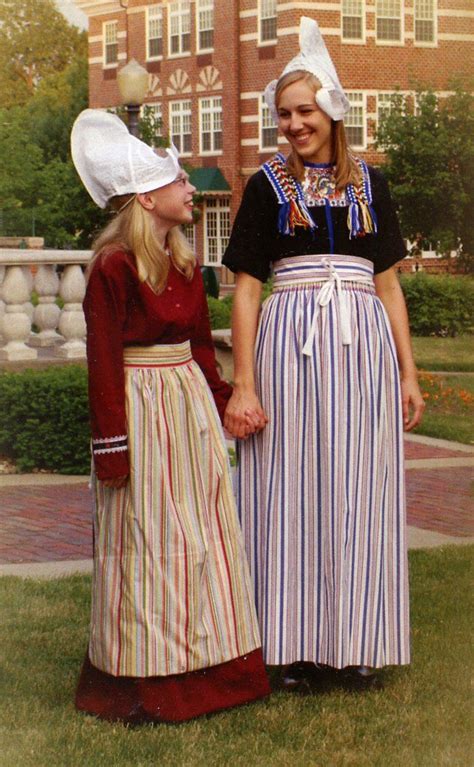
x=45, y=519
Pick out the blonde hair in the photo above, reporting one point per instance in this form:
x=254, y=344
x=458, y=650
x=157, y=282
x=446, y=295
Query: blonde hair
x=133, y=230
x=347, y=169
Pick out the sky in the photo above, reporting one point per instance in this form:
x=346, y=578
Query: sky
x=69, y=9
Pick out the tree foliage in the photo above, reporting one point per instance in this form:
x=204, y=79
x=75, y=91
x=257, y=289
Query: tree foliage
x=430, y=166
x=36, y=41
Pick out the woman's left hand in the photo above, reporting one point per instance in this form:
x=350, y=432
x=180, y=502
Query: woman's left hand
x=413, y=403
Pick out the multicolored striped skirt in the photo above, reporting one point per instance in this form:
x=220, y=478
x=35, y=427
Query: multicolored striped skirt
x=321, y=488
x=171, y=587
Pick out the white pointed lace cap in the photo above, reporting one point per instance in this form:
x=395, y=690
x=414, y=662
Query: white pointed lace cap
x=112, y=162
x=314, y=58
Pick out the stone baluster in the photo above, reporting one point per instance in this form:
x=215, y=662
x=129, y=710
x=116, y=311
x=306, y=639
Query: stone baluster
x=16, y=291
x=72, y=324
x=46, y=314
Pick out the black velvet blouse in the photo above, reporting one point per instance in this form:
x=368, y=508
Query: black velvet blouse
x=256, y=243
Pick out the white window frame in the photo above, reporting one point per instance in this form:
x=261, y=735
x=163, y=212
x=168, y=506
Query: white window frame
x=107, y=25
x=357, y=99
x=400, y=17
x=154, y=13
x=354, y=40
x=426, y=43
x=204, y=8
x=184, y=112
x=262, y=6
x=213, y=109
x=221, y=206
x=266, y=122
x=179, y=11
x=189, y=231
x=384, y=107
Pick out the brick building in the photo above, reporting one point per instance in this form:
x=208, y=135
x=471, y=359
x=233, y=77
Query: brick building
x=209, y=61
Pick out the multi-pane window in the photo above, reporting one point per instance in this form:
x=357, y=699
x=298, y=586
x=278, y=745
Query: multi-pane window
x=154, y=31
x=180, y=26
x=110, y=33
x=389, y=20
x=268, y=20
x=205, y=24
x=210, y=113
x=217, y=229
x=424, y=21
x=268, y=129
x=180, y=126
x=189, y=231
x=352, y=19
x=354, y=120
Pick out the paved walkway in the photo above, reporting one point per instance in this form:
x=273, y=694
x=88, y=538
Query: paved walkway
x=45, y=519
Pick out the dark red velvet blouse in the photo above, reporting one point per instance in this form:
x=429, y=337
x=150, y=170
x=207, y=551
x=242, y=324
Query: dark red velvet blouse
x=122, y=311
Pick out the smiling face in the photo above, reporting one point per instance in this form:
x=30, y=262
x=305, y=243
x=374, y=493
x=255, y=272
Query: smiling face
x=307, y=128
x=173, y=204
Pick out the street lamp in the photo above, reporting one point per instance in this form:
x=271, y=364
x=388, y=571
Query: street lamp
x=132, y=82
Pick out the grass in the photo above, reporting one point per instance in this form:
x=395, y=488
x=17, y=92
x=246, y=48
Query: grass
x=444, y=353
x=420, y=718
x=449, y=410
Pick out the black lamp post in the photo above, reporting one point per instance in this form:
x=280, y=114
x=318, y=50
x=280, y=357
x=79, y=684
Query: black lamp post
x=132, y=81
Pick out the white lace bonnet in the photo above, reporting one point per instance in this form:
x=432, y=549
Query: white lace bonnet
x=314, y=58
x=112, y=162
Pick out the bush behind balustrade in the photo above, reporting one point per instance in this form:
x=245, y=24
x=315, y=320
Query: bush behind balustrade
x=44, y=419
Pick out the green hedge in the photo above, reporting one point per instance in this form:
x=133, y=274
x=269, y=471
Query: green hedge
x=219, y=312
x=439, y=305
x=44, y=419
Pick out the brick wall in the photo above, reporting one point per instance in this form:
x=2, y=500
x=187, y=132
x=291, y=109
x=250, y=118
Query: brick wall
x=238, y=68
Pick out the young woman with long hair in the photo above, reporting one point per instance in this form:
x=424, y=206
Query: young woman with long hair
x=173, y=627
x=328, y=370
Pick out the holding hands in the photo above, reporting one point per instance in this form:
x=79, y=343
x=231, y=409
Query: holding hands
x=244, y=414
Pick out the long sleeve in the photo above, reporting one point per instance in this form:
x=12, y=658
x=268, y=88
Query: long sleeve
x=104, y=308
x=203, y=352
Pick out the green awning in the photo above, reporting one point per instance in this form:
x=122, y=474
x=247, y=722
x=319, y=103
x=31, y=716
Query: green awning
x=208, y=180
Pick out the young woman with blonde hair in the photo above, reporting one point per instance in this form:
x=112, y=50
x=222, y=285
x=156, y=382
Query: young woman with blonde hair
x=173, y=627
x=327, y=369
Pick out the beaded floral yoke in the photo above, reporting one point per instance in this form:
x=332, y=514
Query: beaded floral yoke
x=317, y=189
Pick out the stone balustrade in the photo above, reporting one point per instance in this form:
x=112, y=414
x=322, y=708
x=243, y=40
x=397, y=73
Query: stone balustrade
x=64, y=330
x=25, y=328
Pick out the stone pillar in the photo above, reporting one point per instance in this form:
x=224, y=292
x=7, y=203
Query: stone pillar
x=46, y=314
x=16, y=292
x=72, y=324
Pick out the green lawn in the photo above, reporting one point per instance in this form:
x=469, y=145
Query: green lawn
x=449, y=410
x=420, y=719
x=444, y=353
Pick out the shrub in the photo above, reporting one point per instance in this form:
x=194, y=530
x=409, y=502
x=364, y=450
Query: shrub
x=44, y=419
x=439, y=305
x=219, y=312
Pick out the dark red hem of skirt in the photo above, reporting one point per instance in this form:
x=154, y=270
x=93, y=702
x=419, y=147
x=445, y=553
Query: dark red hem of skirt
x=174, y=698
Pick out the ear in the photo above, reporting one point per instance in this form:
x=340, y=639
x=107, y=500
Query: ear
x=146, y=200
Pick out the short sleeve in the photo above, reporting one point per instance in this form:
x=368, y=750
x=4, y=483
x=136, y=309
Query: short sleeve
x=249, y=248
x=390, y=246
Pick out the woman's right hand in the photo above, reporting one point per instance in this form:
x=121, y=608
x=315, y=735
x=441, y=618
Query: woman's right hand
x=244, y=414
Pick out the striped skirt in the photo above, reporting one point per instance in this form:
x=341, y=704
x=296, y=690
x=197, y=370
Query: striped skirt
x=321, y=489
x=171, y=589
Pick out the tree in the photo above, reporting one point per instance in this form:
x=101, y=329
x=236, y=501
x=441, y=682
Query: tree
x=35, y=42
x=430, y=167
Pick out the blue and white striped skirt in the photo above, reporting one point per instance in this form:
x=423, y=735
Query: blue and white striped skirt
x=321, y=489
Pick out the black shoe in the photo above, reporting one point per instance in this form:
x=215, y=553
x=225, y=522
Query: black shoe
x=360, y=678
x=297, y=676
